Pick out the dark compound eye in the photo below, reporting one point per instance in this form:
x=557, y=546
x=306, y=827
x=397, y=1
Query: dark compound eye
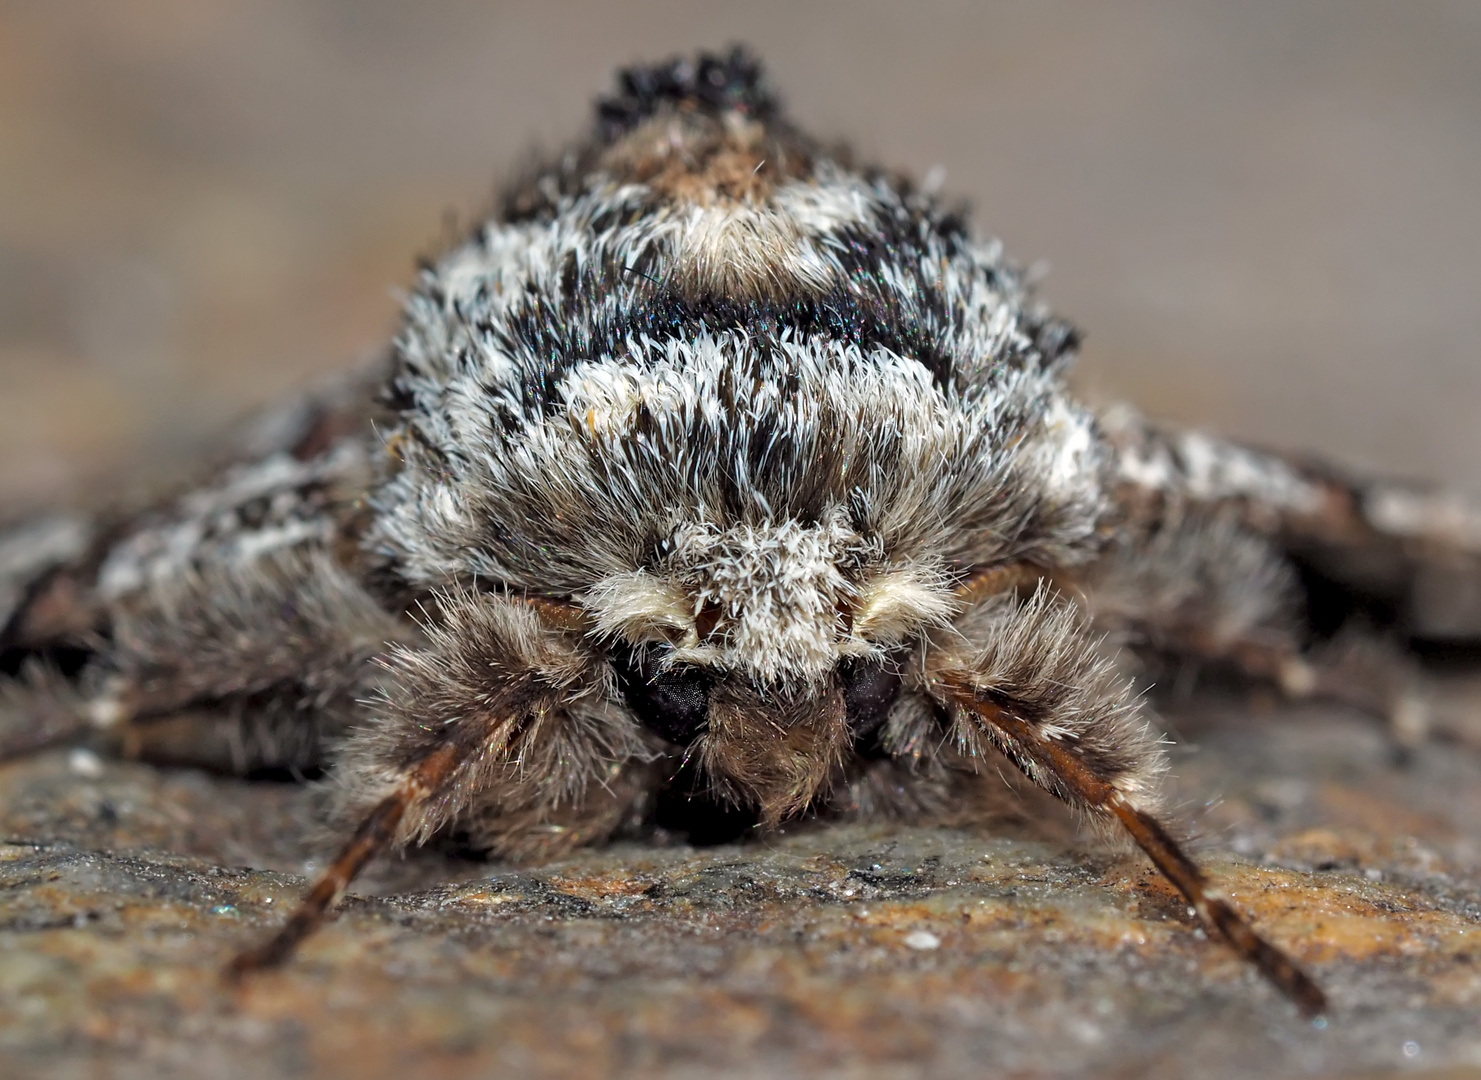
x=674, y=704
x=869, y=689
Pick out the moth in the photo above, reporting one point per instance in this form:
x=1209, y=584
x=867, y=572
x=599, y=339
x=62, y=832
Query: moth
x=714, y=472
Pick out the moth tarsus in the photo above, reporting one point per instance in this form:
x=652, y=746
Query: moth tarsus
x=710, y=454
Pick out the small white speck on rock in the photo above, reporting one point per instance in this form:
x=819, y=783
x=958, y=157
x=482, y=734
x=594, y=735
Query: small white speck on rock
x=83, y=762
x=922, y=940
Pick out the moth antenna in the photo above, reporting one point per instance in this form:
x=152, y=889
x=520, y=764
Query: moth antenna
x=374, y=835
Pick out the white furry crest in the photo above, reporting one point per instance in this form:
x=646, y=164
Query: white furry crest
x=778, y=590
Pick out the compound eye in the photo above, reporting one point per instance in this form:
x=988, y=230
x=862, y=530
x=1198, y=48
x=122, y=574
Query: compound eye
x=673, y=703
x=869, y=690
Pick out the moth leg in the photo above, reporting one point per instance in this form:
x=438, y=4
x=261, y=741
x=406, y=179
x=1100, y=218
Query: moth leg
x=1366, y=674
x=1026, y=679
x=234, y=665
x=497, y=721
x=1204, y=588
x=375, y=833
x=39, y=709
x=47, y=627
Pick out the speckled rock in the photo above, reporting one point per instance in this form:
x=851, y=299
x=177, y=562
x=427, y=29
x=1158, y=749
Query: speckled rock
x=880, y=951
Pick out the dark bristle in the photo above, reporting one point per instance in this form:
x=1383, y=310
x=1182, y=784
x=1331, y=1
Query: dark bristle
x=732, y=82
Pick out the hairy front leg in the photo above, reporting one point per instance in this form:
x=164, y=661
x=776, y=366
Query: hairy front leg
x=1204, y=589
x=1025, y=678
x=499, y=721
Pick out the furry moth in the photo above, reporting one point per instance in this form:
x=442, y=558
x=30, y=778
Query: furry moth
x=714, y=468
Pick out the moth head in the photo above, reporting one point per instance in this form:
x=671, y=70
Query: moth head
x=763, y=649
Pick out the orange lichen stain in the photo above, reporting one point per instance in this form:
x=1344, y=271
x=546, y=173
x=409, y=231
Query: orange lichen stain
x=61, y=901
x=1367, y=932
x=162, y=915
x=606, y=886
x=895, y=914
x=1326, y=917
x=888, y=923
x=267, y=892
x=1152, y=891
x=483, y=898
x=999, y=915
x=1104, y=929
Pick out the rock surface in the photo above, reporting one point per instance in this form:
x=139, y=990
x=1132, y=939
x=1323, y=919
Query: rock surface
x=852, y=951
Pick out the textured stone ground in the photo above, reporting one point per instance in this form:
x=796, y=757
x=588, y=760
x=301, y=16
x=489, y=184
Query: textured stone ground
x=830, y=951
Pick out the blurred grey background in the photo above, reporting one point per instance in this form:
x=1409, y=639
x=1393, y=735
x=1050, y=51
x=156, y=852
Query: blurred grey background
x=1266, y=215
